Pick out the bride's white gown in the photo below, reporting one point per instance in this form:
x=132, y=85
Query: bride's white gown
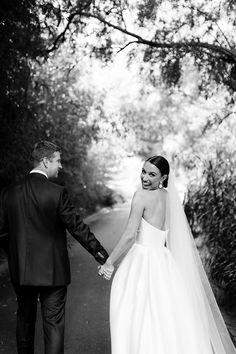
x=150, y=309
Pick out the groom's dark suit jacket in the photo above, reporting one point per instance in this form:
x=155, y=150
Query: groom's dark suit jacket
x=35, y=214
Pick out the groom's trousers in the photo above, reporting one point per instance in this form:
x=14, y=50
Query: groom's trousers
x=52, y=301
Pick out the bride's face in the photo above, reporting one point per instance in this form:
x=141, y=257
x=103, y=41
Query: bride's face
x=150, y=176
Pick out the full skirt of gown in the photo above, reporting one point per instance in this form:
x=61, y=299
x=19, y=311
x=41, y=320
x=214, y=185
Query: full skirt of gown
x=150, y=308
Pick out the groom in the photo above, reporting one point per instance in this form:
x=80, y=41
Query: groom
x=35, y=214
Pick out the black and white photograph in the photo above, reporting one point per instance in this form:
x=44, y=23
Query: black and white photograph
x=117, y=177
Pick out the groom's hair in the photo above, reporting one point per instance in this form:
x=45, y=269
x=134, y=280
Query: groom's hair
x=43, y=149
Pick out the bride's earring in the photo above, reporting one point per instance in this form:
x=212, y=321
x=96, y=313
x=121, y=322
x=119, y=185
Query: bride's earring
x=160, y=185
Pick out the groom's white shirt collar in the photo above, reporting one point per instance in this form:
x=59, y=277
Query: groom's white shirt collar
x=38, y=171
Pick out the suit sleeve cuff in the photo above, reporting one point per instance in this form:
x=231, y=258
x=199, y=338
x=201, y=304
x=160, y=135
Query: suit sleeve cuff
x=101, y=256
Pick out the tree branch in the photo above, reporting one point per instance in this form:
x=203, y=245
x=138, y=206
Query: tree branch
x=208, y=18
x=225, y=117
x=229, y=55
x=216, y=119
x=62, y=34
x=122, y=48
x=174, y=45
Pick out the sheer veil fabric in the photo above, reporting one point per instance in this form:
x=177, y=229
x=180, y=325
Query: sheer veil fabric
x=182, y=246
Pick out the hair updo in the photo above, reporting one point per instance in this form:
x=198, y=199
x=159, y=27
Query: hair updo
x=163, y=166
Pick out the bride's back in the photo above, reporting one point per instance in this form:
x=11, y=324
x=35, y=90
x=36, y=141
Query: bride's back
x=155, y=207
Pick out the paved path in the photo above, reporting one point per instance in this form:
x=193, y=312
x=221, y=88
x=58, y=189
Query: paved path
x=87, y=310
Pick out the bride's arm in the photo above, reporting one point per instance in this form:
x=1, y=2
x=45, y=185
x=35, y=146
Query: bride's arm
x=129, y=234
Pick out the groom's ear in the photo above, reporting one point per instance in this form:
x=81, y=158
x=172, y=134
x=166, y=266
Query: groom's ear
x=45, y=162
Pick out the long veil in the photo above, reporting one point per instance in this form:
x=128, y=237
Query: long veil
x=181, y=244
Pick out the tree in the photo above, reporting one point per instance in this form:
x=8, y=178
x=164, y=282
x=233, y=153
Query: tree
x=42, y=98
x=169, y=32
x=21, y=42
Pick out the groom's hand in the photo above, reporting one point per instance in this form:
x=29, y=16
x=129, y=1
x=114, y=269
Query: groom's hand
x=106, y=270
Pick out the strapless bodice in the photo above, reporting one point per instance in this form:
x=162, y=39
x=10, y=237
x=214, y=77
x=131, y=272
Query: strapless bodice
x=149, y=235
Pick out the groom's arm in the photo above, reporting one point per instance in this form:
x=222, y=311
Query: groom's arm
x=79, y=230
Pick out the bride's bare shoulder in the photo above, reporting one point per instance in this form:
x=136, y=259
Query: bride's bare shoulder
x=139, y=195
x=142, y=194
x=146, y=198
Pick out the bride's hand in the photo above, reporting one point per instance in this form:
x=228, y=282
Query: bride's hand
x=106, y=270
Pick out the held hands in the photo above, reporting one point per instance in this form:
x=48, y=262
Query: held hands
x=106, y=270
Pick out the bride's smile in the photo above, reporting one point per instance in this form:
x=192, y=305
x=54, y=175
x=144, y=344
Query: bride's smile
x=151, y=177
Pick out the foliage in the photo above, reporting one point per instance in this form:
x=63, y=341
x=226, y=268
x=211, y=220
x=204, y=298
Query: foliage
x=180, y=123
x=165, y=31
x=211, y=209
x=42, y=98
x=24, y=30
x=42, y=95
x=163, y=37
x=21, y=42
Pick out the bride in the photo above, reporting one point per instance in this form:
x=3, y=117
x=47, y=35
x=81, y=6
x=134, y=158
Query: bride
x=161, y=300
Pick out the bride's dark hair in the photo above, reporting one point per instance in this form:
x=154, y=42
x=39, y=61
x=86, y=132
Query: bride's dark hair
x=163, y=166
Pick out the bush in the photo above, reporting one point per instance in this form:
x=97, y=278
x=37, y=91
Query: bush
x=211, y=210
